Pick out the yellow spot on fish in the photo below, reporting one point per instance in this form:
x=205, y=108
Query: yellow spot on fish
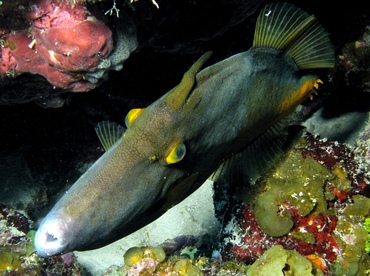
x=132, y=115
x=176, y=154
x=152, y=158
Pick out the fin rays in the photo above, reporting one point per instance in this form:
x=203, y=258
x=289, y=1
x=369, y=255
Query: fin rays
x=321, y=55
x=256, y=159
x=285, y=27
x=108, y=133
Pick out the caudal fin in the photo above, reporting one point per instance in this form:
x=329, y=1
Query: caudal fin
x=286, y=27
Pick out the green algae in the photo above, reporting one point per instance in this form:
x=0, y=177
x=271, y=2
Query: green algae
x=158, y=253
x=273, y=221
x=137, y=254
x=302, y=183
x=7, y=260
x=353, y=261
x=186, y=267
x=367, y=241
x=299, y=181
x=12, y=45
x=351, y=231
x=12, y=256
x=189, y=251
x=359, y=207
x=340, y=182
x=133, y=255
x=145, y=261
x=278, y=261
x=153, y=259
x=304, y=236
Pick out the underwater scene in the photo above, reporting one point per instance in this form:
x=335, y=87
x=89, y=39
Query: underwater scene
x=155, y=137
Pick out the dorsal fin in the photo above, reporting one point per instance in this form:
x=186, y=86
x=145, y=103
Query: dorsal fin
x=176, y=98
x=285, y=27
x=109, y=133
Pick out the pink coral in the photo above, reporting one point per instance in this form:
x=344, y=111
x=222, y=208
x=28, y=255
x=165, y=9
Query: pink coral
x=63, y=44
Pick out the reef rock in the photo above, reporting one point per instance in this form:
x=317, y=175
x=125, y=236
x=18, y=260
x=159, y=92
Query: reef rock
x=72, y=49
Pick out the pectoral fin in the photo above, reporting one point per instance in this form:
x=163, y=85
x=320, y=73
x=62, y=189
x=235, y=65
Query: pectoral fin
x=257, y=158
x=109, y=133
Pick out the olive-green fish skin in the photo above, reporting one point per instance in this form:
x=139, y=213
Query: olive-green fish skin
x=215, y=113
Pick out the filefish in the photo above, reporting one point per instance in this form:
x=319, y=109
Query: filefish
x=172, y=146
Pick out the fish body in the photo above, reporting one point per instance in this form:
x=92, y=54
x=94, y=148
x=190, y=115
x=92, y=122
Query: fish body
x=172, y=146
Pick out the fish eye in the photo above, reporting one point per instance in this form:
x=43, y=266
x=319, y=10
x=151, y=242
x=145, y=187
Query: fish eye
x=132, y=115
x=176, y=154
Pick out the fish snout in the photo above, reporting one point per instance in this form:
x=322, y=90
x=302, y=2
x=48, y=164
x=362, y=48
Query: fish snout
x=51, y=237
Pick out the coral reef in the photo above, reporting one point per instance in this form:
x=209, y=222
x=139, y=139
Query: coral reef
x=354, y=62
x=277, y=261
x=361, y=150
x=315, y=202
x=17, y=253
x=161, y=262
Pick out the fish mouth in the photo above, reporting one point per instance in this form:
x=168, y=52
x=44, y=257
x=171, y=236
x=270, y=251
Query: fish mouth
x=50, y=238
